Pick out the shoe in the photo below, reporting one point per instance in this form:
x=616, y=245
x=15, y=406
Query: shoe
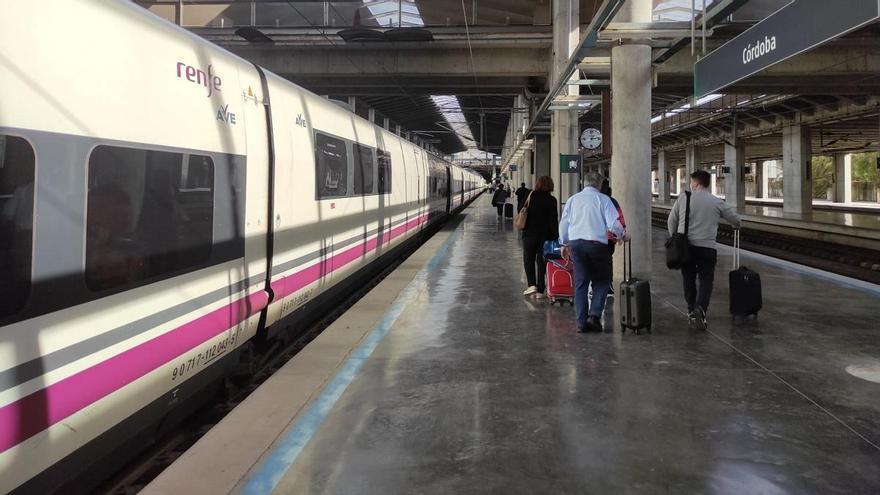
x=531, y=290
x=611, y=291
x=701, y=318
x=540, y=295
x=583, y=329
x=594, y=325
x=692, y=319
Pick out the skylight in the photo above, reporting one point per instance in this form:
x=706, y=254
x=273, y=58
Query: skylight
x=455, y=119
x=388, y=13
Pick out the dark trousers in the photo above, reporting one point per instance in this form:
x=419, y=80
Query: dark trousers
x=533, y=261
x=702, y=266
x=592, y=265
x=500, y=207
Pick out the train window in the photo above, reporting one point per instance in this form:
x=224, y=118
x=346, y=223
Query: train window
x=331, y=167
x=363, y=170
x=149, y=215
x=16, y=222
x=384, y=175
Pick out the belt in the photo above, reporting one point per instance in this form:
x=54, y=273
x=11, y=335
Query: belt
x=588, y=242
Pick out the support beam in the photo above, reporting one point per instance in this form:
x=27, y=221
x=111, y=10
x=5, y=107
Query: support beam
x=662, y=177
x=357, y=61
x=386, y=123
x=843, y=178
x=630, y=162
x=564, y=125
x=371, y=115
x=542, y=155
x=734, y=176
x=692, y=159
x=759, y=178
x=797, y=170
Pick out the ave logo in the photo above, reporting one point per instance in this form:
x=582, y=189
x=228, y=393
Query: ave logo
x=300, y=120
x=224, y=115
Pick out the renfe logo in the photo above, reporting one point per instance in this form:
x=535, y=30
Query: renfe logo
x=758, y=50
x=198, y=76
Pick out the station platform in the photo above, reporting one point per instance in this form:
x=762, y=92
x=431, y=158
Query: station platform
x=445, y=379
x=855, y=228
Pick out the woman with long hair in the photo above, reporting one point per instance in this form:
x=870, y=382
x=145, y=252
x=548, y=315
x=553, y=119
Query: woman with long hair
x=542, y=224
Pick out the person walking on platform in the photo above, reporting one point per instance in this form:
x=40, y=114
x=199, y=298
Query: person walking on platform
x=705, y=212
x=542, y=224
x=588, y=218
x=521, y=194
x=499, y=198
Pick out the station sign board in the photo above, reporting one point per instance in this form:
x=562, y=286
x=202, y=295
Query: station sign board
x=791, y=30
x=570, y=164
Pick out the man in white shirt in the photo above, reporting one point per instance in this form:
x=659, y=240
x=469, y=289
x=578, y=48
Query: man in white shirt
x=589, y=216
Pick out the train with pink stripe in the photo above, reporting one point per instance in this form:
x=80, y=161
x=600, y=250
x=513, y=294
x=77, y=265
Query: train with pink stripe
x=165, y=207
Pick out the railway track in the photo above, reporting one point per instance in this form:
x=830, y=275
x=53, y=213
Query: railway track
x=849, y=261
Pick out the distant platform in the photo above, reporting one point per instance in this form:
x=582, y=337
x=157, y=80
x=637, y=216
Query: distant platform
x=860, y=229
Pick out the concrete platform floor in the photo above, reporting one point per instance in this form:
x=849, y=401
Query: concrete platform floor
x=476, y=389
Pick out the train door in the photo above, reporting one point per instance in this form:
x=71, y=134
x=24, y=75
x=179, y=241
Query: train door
x=260, y=178
x=448, y=190
x=462, y=186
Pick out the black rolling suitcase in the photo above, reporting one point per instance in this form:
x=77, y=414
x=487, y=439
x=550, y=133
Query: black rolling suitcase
x=745, y=286
x=635, y=298
x=508, y=210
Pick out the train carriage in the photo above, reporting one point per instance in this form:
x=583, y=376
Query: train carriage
x=165, y=203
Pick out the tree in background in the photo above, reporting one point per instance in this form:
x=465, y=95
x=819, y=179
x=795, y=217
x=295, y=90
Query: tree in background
x=823, y=176
x=865, y=176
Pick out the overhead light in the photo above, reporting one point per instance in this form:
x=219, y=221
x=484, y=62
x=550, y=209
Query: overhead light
x=578, y=100
x=590, y=82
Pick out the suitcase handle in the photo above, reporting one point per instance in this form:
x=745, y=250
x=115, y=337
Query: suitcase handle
x=627, y=259
x=736, y=244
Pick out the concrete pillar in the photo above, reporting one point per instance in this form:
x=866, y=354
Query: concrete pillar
x=662, y=178
x=386, y=123
x=761, y=179
x=371, y=115
x=691, y=161
x=528, y=169
x=564, y=124
x=631, y=161
x=843, y=178
x=765, y=179
x=734, y=177
x=542, y=155
x=797, y=171
x=399, y=131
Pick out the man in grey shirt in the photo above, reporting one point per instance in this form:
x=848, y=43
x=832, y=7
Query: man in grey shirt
x=706, y=211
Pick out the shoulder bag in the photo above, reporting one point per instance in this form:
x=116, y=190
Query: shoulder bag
x=520, y=221
x=678, y=249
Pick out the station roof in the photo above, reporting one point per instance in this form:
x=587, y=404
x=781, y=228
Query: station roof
x=483, y=53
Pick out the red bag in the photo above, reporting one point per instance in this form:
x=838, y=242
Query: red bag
x=560, y=281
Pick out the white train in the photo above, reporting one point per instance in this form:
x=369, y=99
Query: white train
x=164, y=203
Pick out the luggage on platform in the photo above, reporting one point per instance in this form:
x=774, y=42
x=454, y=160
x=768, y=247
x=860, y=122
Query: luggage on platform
x=552, y=250
x=635, y=298
x=508, y=210
x=560, y=281
x=745, y=286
